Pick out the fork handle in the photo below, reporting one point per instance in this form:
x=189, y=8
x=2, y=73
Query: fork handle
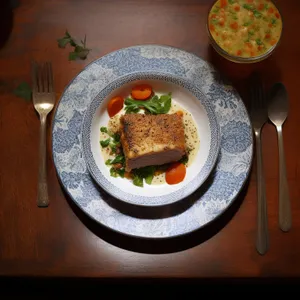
x=262, y=241
x=42, y=198
x=285, y=216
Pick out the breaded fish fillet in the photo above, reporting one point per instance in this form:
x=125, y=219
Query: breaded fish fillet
x=149, y=140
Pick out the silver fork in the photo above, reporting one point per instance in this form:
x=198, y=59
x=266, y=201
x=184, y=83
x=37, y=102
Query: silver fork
x=259, y=117
x=43, y=101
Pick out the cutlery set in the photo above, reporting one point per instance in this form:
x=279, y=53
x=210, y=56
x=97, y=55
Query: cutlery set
x=274, y=107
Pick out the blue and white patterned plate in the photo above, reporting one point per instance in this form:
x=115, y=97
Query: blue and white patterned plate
x=187, y=96
x=232, y=167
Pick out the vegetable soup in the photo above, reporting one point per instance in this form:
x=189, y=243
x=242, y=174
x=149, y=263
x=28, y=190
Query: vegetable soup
x=245, y=28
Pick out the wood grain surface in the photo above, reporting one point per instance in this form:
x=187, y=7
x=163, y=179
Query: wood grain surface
x=60, y=240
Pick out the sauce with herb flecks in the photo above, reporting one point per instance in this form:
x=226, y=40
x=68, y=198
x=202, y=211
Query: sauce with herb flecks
x=192, y=140
x=245, y=28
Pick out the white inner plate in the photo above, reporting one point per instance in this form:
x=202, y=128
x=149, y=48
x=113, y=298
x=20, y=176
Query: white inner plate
x=179, y=95
x=189, y=98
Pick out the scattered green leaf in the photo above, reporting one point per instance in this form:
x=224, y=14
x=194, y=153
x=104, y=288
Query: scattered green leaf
x=184, y=159
x=117, y=172
x=231, y=1
x=257, y=14
x=247, y=6
x=103, y=129
x=156, y=105
x=258, y=42
x=24, y=91
x=116, y=137
x=80, y=50
x=119, y=159
x=140, y=174
x=138, y=181
x=108, y=162
x=105, y=143
x=273, y=21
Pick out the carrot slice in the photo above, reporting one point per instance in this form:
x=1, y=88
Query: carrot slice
x=115, y=105
x=175, y=173
x=237, y=7
x=179, y=113
x=234, y=25
x=141, y=92
x=239, y=52
x=261, y=6
x=221, y=21
x=223, y=3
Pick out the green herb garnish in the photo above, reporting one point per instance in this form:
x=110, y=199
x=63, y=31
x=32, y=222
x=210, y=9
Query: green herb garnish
x=231, y=1
x=103, y=129
x=80, y=50
x=273, y=21
x=116, y=137
x=251, y=32
x=24, y=91
x=119, y=159
x=184, y=160
x=146, y=173
x=117, y=172
x=138, y=181
x=247, y=6
x=105, y=143
x=156, y=105
x=257, y=14
x=258, y=42
x=113, y=147
x=108, y=162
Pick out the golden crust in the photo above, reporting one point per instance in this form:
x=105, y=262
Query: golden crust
x=143, y=134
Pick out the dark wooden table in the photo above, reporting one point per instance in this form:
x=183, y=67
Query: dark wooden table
x=61, y=241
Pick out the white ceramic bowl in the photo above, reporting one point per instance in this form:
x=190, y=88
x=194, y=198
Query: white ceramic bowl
x=185, y=94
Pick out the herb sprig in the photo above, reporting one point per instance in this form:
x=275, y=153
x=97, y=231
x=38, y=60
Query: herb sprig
x=80, y=50
x=156, y=105
x=23, y=90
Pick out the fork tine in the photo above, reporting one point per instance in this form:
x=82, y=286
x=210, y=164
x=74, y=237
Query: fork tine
x=50, y=76
x=39, y=77
x=34, y=77
x=44, y=72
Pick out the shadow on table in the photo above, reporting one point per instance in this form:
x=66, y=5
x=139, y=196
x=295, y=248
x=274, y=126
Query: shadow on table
x=6, y=21
x=160, y=246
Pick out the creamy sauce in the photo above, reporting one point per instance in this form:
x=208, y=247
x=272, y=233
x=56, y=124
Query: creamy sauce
x=106, y=152
x=192, y=140
x=245, y=28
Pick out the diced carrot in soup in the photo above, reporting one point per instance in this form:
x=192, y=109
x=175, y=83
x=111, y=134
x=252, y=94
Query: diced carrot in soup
x=223, y=3
x=252, y=26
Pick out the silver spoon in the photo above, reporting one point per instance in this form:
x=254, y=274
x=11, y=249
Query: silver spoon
x=278, y=112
